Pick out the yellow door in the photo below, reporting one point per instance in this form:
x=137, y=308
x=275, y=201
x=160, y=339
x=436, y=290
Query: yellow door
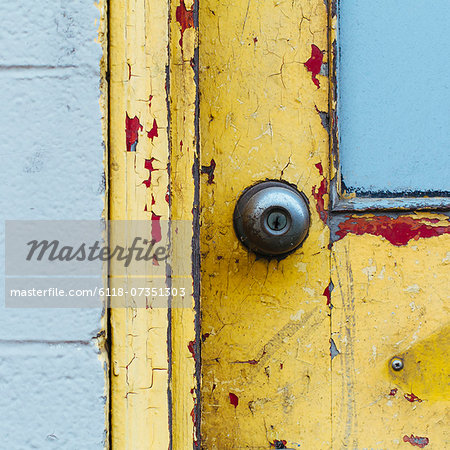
x=340, y=344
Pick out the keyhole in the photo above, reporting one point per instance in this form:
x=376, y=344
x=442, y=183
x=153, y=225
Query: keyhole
x=277, y=220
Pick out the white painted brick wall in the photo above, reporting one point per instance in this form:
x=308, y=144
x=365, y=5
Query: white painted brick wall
x=52, y=381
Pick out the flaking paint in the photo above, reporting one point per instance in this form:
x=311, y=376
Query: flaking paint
x=185, y=17
x=258, y=121
x=185, y=330
x=138, y=35
x=154, y=131
x=398, y=231
x=319, y=193
x=416, y=441
x=314, y=64
x=209, y=170
x=132, y=128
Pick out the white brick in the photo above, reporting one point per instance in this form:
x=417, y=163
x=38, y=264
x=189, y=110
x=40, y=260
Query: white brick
x=49, y=32
x=51, y=397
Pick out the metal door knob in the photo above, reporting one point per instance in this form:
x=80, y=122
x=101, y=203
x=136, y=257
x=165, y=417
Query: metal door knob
x=271, y=218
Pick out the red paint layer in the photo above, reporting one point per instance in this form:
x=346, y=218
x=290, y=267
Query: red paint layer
x=132, y=127
x=416, y=441
x=192, y=348
x=314, y=64
x=412, y=398
x=234, y=400
x=327, y=293
x=194, y=417
x=156, y=228
x=154, y=131
x=318, y=195
x=209, y=170
x=318, y=166
x=185, y=17
x=150, y=98
x=149, y=166
x=278, y=444
x=398, y=231
x=393, y=392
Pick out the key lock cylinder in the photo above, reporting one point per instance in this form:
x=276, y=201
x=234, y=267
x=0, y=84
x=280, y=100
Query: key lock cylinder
x=272, y=218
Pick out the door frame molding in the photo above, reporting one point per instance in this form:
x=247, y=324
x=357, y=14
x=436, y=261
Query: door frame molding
x=153, y=175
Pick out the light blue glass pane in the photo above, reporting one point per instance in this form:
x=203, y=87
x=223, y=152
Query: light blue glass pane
x=394, y=95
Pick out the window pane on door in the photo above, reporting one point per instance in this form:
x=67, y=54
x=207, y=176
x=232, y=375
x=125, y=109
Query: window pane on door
x=394, y=96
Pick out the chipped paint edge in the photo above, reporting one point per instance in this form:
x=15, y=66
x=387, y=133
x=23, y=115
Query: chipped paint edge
x=138, y=57
x=184, y=184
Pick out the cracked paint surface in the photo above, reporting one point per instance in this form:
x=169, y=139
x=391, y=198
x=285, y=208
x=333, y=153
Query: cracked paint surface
x=185, y=17
x=148, y=164
x=138, y=187
x=319, y=194
x=273, y=336
x=267, y=321
x=185, y=330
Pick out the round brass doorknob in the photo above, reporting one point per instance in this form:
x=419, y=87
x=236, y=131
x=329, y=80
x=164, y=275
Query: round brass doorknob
x=271, y=218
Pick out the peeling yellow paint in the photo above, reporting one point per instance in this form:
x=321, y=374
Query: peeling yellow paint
x=184, y=206
x=267, y=339
x=138, y=59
